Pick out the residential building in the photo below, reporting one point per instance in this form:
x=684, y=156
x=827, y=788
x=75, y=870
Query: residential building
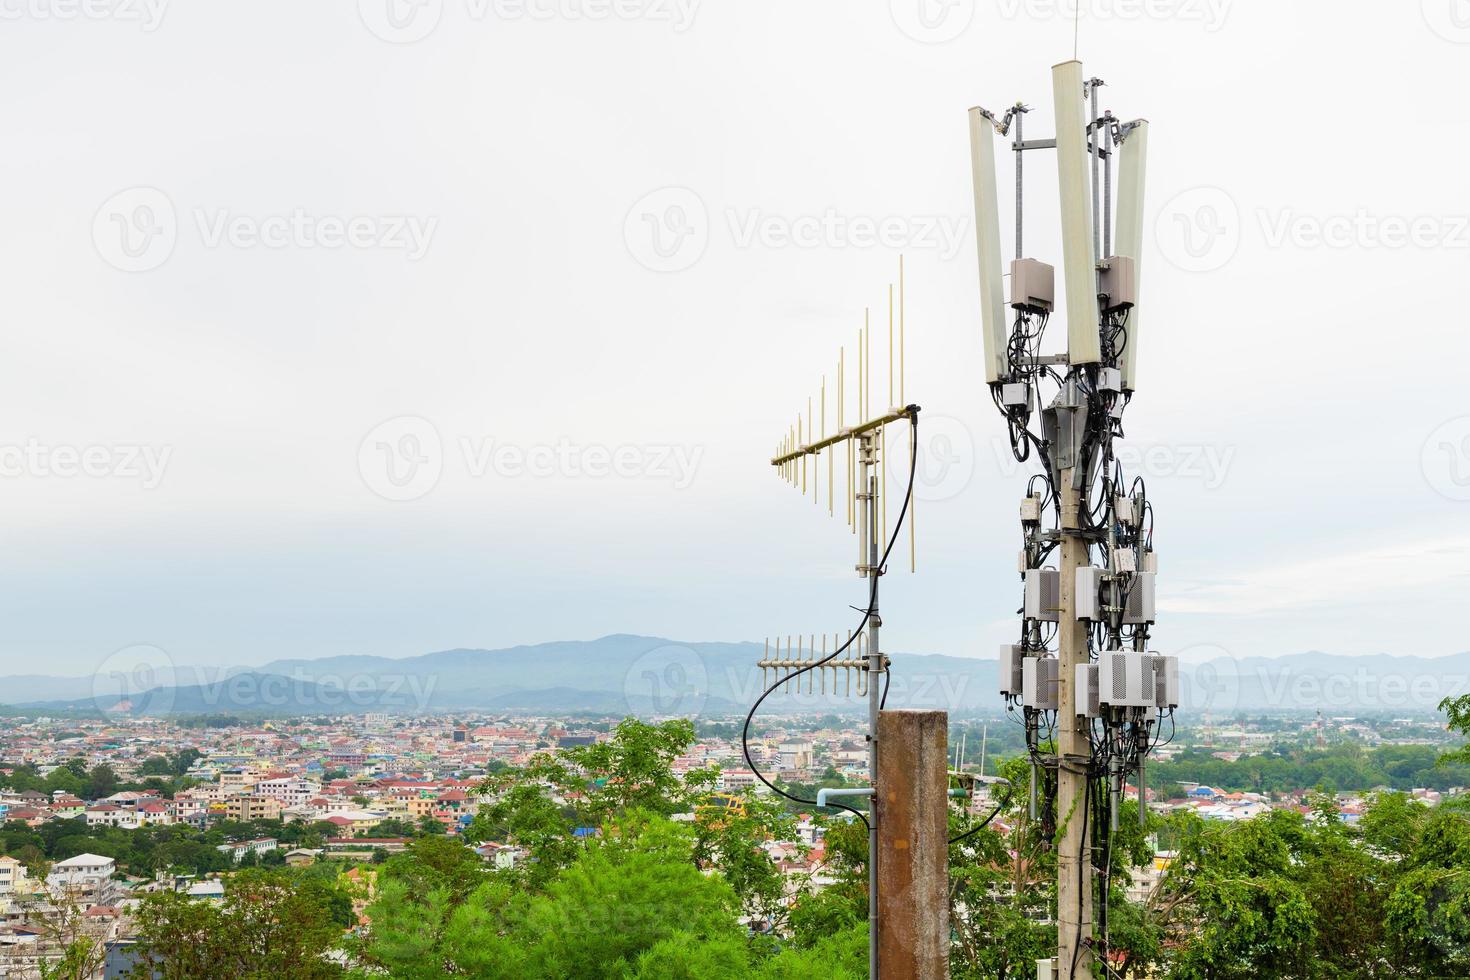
x=236, y=851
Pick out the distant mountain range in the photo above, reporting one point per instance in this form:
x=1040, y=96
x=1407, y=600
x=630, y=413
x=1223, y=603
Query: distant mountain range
x=624, y=674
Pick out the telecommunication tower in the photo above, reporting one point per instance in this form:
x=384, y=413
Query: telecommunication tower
x=1092, y=695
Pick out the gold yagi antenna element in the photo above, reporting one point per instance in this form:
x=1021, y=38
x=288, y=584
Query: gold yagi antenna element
x=810, y=436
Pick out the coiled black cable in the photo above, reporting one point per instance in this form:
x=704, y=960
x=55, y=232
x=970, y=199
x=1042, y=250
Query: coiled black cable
x=913, y=413
x=981, y=825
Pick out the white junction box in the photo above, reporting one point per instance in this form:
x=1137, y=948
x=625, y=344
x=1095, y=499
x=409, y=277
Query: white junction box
x=1125, y=679
x=1008, y=673
x=1033, y=286
x=1125, y=560
x=1016, y=394
x=1084, y=691
x=1119, y=282
x=1140, y=605
x=1039, y=683
x=1043, y=594
x=1166, y=680
x=1123, y=509
x=1089, y=592
x=1031, y=508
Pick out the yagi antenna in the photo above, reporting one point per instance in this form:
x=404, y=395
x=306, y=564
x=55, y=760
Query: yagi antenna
x=807, y=441
x=863, y=445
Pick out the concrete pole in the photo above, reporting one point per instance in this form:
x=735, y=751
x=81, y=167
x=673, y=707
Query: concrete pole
x=913, y=846
x=1074, y=882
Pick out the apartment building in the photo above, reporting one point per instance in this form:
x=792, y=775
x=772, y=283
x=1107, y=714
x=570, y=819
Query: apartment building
x=252, y=806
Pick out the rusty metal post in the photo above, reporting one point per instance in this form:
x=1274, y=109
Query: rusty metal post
x=913, y=845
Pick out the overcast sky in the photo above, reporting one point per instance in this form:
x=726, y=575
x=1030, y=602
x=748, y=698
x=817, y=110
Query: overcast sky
x=345, y=327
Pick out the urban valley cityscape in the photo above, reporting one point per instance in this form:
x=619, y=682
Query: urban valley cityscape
x=355, y=844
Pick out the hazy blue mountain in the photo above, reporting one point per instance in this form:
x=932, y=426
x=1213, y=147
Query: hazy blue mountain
x=26, y=688
x=649, y=676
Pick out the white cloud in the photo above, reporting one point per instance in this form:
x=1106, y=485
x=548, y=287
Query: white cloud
x=1417, y=571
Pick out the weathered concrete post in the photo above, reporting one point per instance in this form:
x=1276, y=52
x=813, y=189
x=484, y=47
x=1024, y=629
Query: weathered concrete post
x=913, y=845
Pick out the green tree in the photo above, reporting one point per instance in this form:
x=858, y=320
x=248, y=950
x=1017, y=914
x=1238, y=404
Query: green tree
x=728, y=834
x=1238, y=904
x=631, y=889
x=271, y=924
x=101, y=782
x=1457, y=711
x=1002, y=888
x=1428, y=919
